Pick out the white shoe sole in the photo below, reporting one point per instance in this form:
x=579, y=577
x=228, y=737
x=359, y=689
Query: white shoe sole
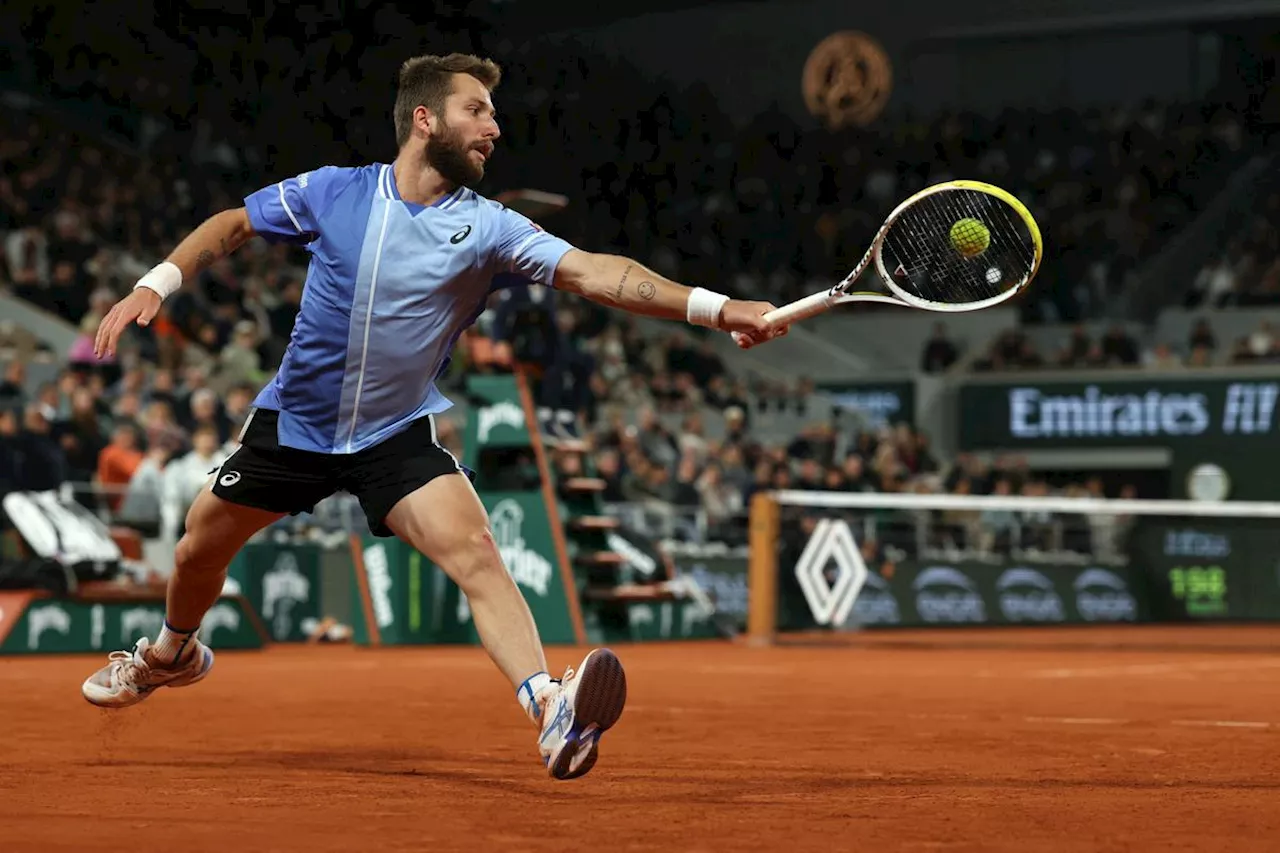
x=597, y=705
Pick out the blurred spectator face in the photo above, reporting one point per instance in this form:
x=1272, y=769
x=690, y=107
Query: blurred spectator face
x=764, y=473
x=194, y=377
x=124, y=437
x=688, y=469
x=810, y=471
x=964, y=487
x=607, y=464
x=133, y=381
x=566, y=321
x=16, y=373
x=162, y=382
x=732, y=456
x=833, y=480
x=8, y=422
x=1003, y=487
x=853, y=467
x=205, y=442
x=204, y=405
x=157, y=415
x=82, y=403
x=64, y=274
x=238, y=402
x=49, y=397
x=33, y=420
x=127, y=407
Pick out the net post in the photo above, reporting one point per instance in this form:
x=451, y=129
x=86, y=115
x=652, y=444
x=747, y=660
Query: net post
x=762, y=569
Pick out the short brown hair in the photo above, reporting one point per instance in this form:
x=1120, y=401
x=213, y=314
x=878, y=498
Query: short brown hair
x=428, y=80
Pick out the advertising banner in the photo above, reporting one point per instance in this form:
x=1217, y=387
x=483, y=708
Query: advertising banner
x=1154, y=413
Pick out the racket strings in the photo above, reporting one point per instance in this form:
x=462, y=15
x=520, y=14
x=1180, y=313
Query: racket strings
x=927, y=258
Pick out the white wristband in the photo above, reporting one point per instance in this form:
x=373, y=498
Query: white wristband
x=705, y=307
x=164, y=278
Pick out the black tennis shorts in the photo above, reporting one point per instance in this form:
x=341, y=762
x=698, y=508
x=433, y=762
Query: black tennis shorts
x=263, y=475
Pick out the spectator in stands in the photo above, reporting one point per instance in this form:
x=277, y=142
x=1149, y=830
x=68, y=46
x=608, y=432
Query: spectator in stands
x=999, y=525
x=1162, y=357
x=203, y=414
x=13, y=386
x=1076, y=352
x=721, y=500
x=939, y=351
x=1201, y=356
x=239, y=362
x=1216, y=283
x=1119, y=347
x=117, y=464
x=10, y=456
x=82, y=436
x=185, y=476
x=608, y=468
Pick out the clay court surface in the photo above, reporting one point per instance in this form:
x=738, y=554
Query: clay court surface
x=1065, y=740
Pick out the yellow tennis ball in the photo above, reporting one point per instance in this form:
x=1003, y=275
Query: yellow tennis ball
x=970, y=237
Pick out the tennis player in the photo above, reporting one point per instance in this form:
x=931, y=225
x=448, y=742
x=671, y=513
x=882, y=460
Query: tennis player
x=403, y=259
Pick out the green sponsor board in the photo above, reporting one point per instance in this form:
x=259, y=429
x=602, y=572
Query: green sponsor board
x=924, y=593
x=413, y=601
x=497, y=419
x=282, y=583
x=646, y=621
x=1156, y=413
x=878, y=402
x=1210, y=569
x=56, y=625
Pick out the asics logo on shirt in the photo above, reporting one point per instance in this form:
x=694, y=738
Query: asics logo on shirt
x=461, y=235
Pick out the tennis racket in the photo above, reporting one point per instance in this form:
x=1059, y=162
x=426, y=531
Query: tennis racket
x=956, y=246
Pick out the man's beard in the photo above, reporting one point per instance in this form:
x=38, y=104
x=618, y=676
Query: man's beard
x=451, y=157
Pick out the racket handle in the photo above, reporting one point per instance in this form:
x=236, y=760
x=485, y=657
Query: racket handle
x=801, y=309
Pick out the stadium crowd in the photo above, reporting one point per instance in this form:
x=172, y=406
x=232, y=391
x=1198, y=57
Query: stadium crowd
x=89, y=202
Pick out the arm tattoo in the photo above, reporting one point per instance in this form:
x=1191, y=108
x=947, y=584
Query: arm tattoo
x=647, y=290
x=222, y=241
x=617, y=295
x=204, y=259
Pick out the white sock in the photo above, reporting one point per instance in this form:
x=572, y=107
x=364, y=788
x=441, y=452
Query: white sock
x=528, y=694
x=172, y=644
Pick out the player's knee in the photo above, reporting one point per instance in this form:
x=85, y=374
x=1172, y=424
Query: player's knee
x=474, y=560
x=191, y=555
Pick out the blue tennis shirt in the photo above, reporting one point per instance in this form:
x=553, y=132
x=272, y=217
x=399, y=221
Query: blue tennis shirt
x=390, y=288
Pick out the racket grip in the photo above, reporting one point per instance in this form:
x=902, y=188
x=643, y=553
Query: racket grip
x=801, y=309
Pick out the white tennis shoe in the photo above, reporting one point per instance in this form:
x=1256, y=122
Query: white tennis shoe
x=577, y=710
x=130, y=677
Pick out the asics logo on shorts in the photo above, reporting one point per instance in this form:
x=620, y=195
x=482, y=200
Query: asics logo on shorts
x=229, y=479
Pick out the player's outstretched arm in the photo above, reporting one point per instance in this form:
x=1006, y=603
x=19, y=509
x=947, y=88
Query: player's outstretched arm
x=217, y=237
x=620, y=282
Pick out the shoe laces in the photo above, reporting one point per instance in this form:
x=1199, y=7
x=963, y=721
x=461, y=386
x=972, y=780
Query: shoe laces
x=126, y=666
